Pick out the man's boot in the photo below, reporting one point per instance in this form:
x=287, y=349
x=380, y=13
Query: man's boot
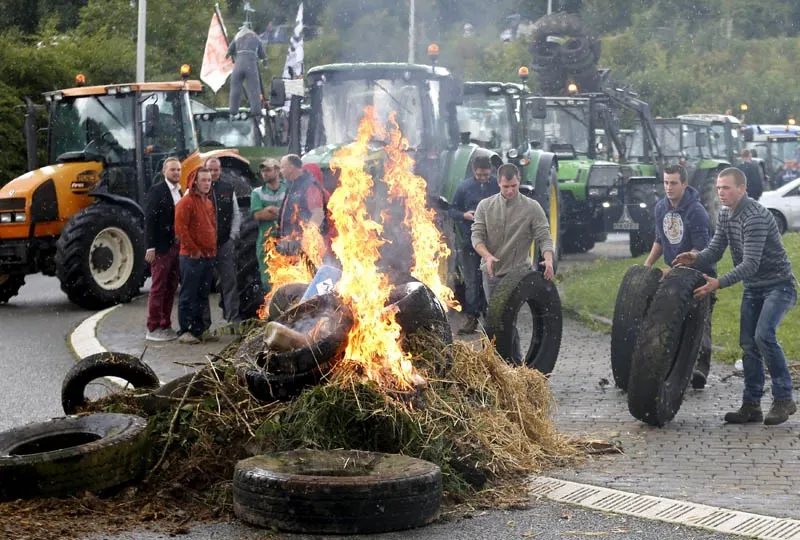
x=470, y=326
x=747, y=413
x=780, y=412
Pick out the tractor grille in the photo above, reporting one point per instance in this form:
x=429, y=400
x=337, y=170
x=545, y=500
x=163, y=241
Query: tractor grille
x=13, y=204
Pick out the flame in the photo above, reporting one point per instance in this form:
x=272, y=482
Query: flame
x=430, y=250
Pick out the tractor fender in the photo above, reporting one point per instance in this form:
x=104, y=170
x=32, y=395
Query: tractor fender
x=103, y=195
x=542, y=162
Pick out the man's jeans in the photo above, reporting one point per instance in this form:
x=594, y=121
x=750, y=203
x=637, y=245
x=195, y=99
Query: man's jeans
x=165, y=271
x=762, y=311
x=471, y=272
x=196, y=275
x=225, y=271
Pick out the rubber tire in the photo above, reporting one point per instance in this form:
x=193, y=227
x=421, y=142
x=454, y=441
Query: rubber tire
x=72, y=255
x=640, y=243
x=248, y=278
x=277, y=491
x=780, y=221
x=418, y=309
x=558, y=24
x=269, y=387
x=667, y=348
x=634, y=296
x=577, y=241
x=517, y=288
x=11, y=286
x=543, y=196
x=285, y=297
x=117, y=456
x=104, y=364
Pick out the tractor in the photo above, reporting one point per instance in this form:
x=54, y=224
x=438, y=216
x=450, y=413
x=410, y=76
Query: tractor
x=80, y=217
x=776, y=145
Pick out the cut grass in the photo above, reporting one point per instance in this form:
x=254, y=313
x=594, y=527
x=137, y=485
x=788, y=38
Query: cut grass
x=591, y=290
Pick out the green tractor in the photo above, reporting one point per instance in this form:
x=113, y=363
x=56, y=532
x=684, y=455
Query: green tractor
x=424, y=99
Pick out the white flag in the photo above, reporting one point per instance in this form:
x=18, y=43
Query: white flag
x=293, y=68
x=216, y=67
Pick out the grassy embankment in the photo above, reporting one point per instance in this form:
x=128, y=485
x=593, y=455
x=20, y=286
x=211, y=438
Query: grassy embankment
x=592, y=290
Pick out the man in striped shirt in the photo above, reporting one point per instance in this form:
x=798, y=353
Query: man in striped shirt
x=761, y=263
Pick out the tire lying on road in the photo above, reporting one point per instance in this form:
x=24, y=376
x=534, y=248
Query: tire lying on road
x=106, y=364
x=71, y=455
x=635, y=294
x=514, y=290
x=667, y=347
x=336, y=491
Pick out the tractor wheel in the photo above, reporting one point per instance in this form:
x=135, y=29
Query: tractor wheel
x=241, y=182
x=556, y=24
x=577, y=241
x=576, y=54
x=709, y=198
x=640, y=242
x=248, y=278
x=549, y=197
x=100, y=256
x=10, y=285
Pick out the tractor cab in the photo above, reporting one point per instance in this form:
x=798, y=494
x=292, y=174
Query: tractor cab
x=488, y=113
x=778, y=145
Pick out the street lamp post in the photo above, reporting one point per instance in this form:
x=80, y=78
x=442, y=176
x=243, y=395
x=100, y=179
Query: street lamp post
x=140, y=40
x=411, y=30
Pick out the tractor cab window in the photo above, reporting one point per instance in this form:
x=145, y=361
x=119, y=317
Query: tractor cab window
x=718, y=143
x=93, y=128
x=690, y=147
x=567, y=124
x=167, y=130
x=220, y=130
x=485, y=117
x=669, y=139
x=634, y=143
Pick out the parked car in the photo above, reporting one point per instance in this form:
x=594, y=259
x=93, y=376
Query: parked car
x=784, y=203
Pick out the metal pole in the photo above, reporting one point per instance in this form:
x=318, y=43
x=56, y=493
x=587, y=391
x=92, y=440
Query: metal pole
x=411, y=33
x=549, y=6
x=140, y=40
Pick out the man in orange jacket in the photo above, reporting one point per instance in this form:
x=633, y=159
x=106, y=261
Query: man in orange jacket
x=196, y=229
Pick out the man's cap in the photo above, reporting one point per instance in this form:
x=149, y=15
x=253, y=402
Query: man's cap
x=269, y=163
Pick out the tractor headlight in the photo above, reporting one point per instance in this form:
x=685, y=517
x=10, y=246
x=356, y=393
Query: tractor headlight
x=512, y=153
x=5, y=218
x=20, y=217
x=594, y=192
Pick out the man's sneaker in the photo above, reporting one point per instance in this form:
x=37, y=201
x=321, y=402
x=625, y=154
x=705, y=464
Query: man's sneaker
x=156, y=335
x=698, y=380
x=188, y=339
x=780, y=412
x=470, y=326
x=747, y=413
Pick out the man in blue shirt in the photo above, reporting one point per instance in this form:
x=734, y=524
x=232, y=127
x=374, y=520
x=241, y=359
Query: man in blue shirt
x=682, y=224
x=470, y=192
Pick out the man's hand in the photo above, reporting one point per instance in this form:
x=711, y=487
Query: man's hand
x=469, y=216
x=712, y=284
x=150, y=256
x=687, y=258
x=548, y=269
x=490, y=260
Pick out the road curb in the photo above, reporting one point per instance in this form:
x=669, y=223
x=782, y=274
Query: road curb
x=83, y=339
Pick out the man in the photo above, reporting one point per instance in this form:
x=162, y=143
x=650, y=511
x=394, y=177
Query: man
x=196, y=227
x=162, y=251
x=470, y=192
x=751, y=170
x=246, y=49
x=505, y=226
x=228, y=226
x=760, y=261
x=682, y=224
x=304, y=203
x=265, y=202
x=790, y=172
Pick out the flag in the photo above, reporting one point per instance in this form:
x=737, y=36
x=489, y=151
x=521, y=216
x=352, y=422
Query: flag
x=293, y=68
x=216, y=67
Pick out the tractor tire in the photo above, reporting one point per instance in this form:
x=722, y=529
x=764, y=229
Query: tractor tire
x=527, y=287
x=667, y=348
x=248, y=277
x=72, y=455
x=10, y=285
x=242, y=181
x=336, y=491
x=107, y=364
x=577, y=241
x=556, y=24
x=549, y=197
x=576, y=54
x=709, y=197
x=640, y=242
x=100, y=256
x=284, y=298
x=270, y=387
x=634, y=296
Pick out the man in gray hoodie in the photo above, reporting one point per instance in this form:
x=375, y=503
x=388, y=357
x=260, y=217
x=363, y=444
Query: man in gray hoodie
x=504, y=227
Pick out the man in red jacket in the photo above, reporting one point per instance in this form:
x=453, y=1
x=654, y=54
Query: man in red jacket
x=196, y=228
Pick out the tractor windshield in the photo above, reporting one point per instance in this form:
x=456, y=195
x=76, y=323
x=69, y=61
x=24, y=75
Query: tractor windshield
x=565, y=124
x=212, y=129
x=172, y=129
x=486, y=118
x=343, y=103
x=669, y=138
x=102, y=124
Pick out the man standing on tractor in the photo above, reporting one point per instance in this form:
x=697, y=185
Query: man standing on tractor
x=682, y=224
x=228, y=225
x=265, y=202
x=162, y=251
x=506, y=224
x=472, y=190
x=760, y=261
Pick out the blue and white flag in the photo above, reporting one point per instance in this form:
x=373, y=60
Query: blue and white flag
x=293, y=68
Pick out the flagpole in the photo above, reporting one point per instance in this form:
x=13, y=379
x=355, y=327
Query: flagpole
x=140, y=40
x=411, y=30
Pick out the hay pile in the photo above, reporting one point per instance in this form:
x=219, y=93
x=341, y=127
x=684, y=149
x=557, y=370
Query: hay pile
x=484, y=423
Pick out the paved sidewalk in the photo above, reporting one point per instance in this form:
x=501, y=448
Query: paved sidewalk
x=696, y=457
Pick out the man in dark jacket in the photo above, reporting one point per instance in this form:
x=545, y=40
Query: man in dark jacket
x=682, y=225
x=162, y=251
x=752, y=172
x=304, y=203
x=470, y=192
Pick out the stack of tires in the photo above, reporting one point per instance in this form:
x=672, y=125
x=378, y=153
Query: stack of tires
x=563, y=53
x=655, y=339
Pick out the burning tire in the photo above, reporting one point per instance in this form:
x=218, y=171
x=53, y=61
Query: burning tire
x=515, y=290
x=284, y=298
x=667, y=348
x=10, y=285
x=100, y=256
x=418, y=309
x=635, y=294
x=336, y=491
x=248, y=278
x=107, y=364
x=67, y=456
